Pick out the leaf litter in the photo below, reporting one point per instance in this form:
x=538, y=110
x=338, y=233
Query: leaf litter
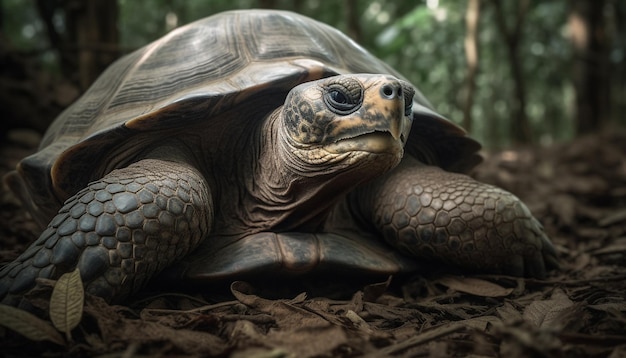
x=576, y=189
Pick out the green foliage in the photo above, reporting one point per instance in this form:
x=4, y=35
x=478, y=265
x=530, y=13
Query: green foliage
x=26, y=32
x=421, y=39
x=23, y=26
x=424, y=41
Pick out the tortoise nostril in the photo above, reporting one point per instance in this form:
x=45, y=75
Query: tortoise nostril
x=391, y=91
x=388, y=91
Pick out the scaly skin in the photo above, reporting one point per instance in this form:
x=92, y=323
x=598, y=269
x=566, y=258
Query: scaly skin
x=432, y=214
x=119, y=231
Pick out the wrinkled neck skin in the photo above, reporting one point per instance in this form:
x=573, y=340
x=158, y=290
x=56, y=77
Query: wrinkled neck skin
x=286, y=192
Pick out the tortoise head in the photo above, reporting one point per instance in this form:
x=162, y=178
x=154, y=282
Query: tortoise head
x=356, y=117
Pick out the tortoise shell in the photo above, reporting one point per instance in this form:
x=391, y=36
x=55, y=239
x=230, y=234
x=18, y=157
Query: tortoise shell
x=196, y=73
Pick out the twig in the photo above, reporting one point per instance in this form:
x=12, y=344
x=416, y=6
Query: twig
x=422, y=338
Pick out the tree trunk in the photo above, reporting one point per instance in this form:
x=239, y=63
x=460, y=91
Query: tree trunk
x=352, y=19
x=67, y=59
x=90, y=40
x=520, y=128
x=97, y=38
x=591, y=64
x=471, y=55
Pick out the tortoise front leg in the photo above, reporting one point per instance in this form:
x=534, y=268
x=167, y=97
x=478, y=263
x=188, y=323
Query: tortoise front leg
x=119, y=231
x=430, y=213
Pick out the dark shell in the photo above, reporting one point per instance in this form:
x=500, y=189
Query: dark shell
x=199, y=71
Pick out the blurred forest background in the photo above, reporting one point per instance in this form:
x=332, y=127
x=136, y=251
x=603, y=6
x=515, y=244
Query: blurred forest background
x=511, y=72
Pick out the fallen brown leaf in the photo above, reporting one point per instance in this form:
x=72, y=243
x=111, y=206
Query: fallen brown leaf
x=474, y=286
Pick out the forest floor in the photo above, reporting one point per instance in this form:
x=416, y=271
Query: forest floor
x=576, y=189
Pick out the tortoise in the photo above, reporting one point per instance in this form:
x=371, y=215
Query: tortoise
x=259, y=143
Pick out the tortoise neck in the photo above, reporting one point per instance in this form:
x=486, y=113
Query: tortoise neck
x=286, y=192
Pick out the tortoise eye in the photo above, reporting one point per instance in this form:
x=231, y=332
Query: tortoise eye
x=409, y=92
x=341, y=99
x=337, y=97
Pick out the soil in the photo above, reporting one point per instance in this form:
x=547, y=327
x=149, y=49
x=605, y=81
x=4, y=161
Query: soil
x=576, y=189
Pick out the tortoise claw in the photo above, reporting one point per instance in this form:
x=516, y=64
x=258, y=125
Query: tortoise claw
x=549, y=255
x=544, y=259
x=552, y=263
x=539, y=261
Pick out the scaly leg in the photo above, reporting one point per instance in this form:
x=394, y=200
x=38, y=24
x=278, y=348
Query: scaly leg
x=119, y=231
x=429, y=213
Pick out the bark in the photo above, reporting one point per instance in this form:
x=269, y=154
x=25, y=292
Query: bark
x=96, y=23
x=520, y=128
x=46, y=10
x=471, y=55
x=352, y=20
x=590, y=41
x=90, y=40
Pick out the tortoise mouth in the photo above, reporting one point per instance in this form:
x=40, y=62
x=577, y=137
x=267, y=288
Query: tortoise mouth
x=373, y=142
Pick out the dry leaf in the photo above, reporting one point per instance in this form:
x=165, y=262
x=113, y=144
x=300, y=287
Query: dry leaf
x=475, y=286
x=118, y=327
x=553, y=313
x=509, y=313
x=616, y=217
x=358, y=322
x=29, y=325
x=300, y=329
x=373, y=291
x=482, y=323
x=260, y=353
x=66, y=303
x=419, y=339
x=308, y=341
x=286, y=313
x=617, y=246
x=614, y=308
